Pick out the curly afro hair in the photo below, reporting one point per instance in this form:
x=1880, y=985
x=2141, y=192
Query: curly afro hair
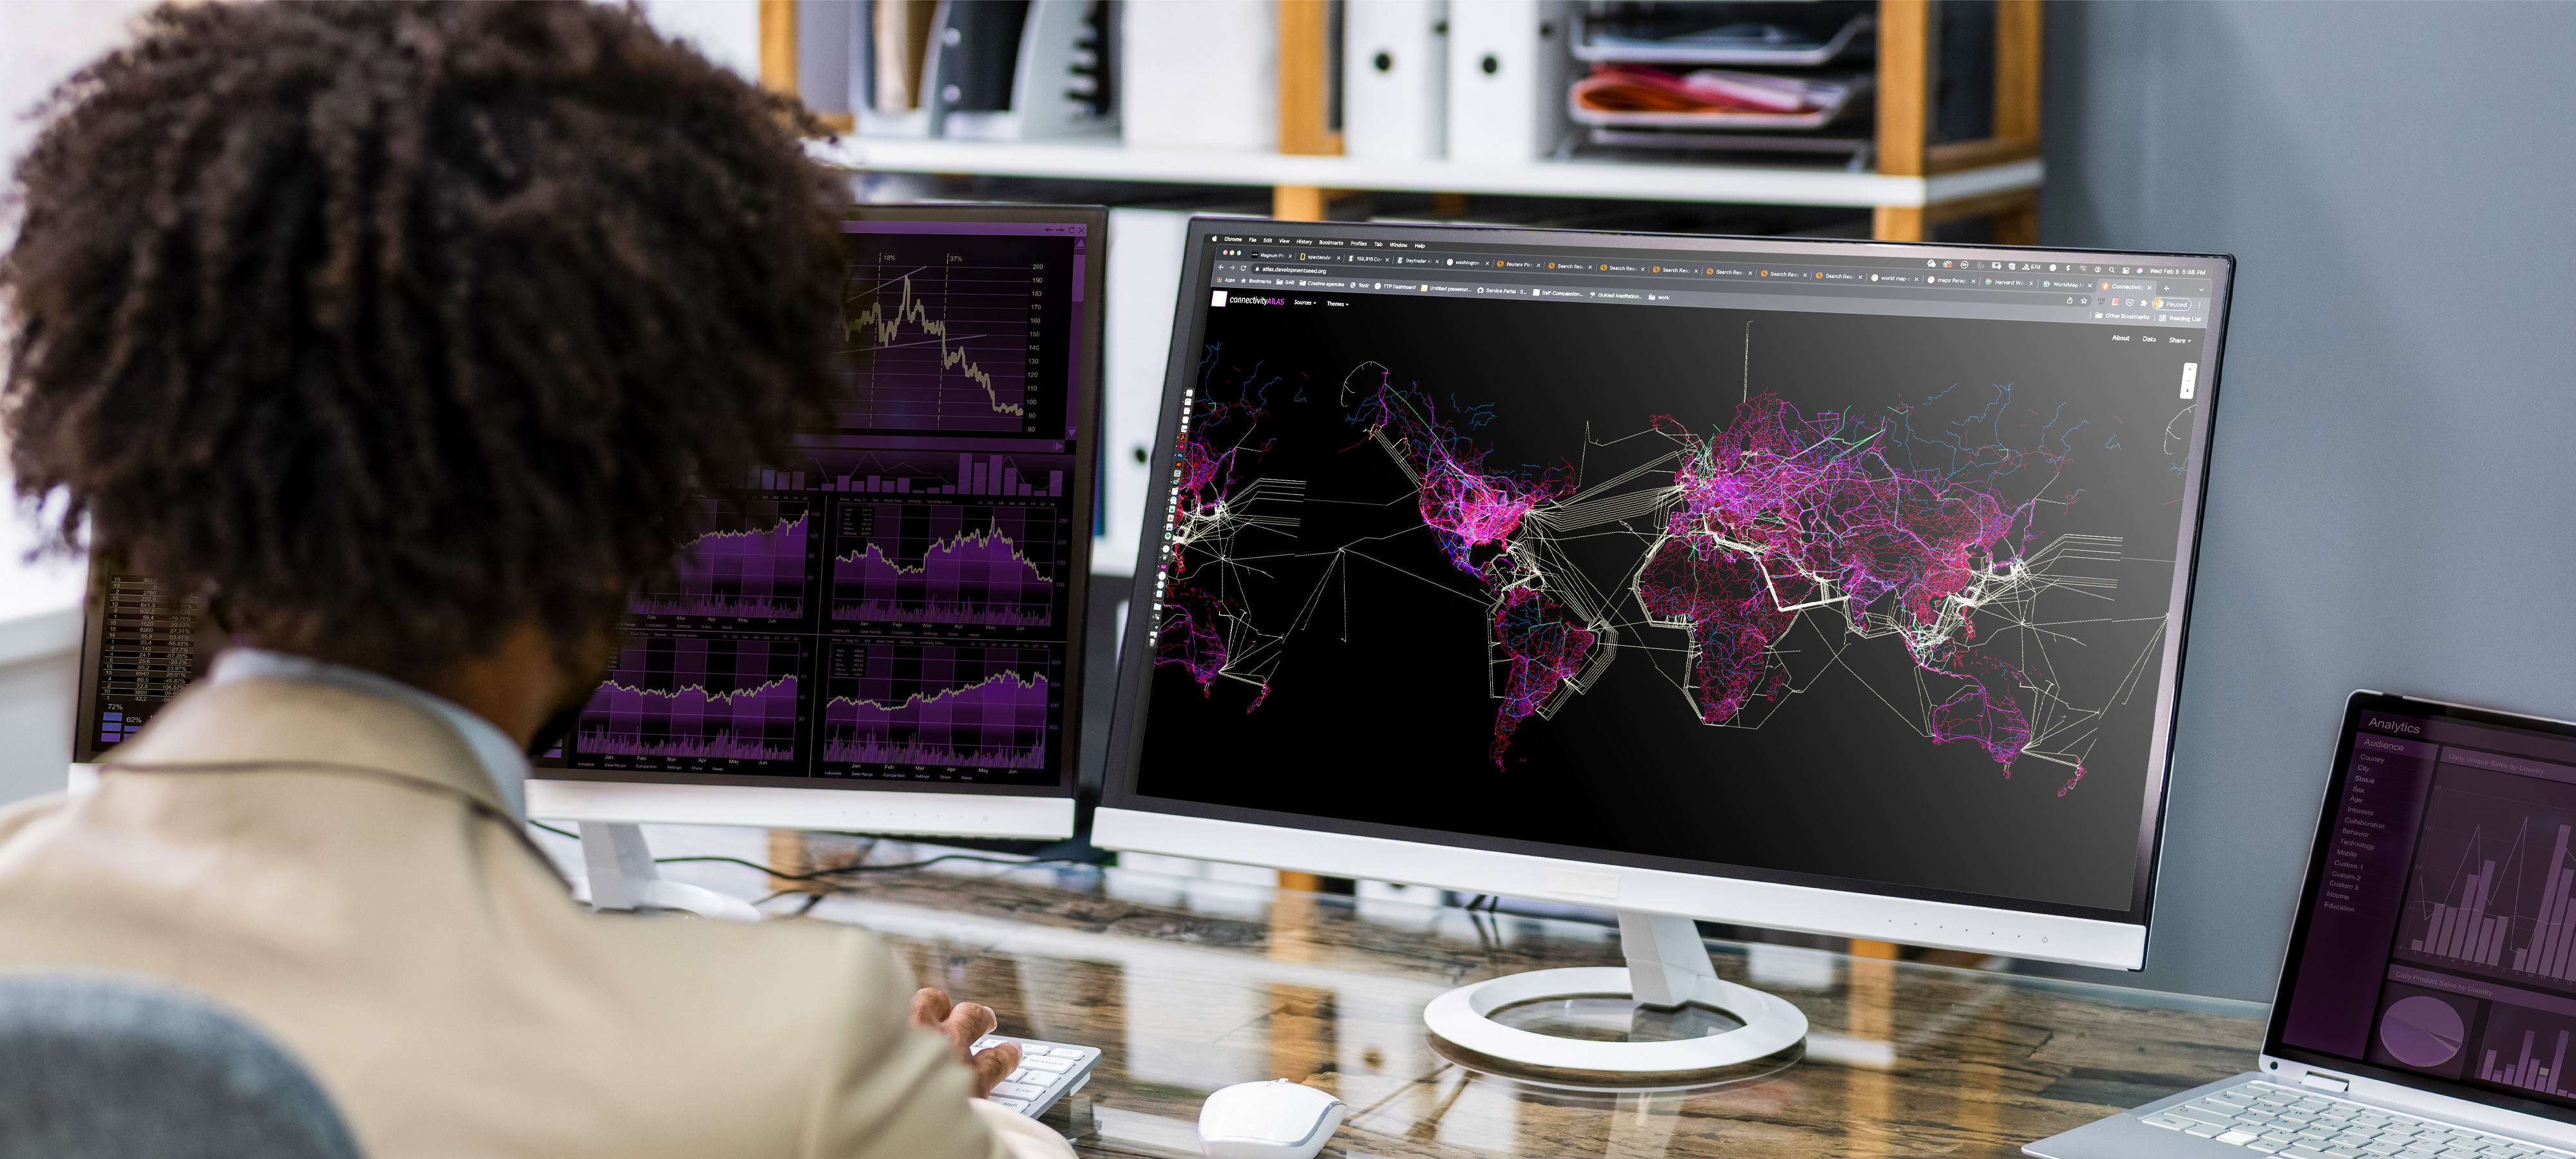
x=391, y=327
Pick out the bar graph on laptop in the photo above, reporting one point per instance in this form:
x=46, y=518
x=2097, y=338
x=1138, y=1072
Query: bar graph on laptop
x=2490, y=916
x=2527, y=1048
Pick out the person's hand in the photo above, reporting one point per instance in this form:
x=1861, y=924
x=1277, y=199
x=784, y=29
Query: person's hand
x=961, y=1023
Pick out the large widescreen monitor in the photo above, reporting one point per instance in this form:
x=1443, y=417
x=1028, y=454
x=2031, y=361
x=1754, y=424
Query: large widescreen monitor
x=1816, y=585
x=884, y=634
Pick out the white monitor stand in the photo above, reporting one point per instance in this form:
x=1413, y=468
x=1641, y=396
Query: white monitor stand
x=622, y=875
x=1668, y=966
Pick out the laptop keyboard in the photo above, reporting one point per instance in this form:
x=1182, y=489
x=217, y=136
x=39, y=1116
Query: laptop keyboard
x=2270, y=1119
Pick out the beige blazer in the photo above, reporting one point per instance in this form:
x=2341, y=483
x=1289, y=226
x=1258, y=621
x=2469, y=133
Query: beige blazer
x=337, y=867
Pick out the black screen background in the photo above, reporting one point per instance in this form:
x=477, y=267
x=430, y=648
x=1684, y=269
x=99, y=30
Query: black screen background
x=1380, y=714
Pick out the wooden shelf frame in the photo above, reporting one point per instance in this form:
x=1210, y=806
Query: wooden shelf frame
x=1905, y=47
x=1918, y=184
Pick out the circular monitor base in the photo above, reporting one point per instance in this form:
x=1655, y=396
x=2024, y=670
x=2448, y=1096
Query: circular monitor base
x=1463, y=1017
x=683, y=897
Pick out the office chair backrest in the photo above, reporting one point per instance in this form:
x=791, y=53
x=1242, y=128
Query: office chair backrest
x=115, y=1068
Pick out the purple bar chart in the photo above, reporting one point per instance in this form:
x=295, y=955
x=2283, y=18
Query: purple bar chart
x=924, y=472
x=750, y=559
x=938, y=705
x=676, y=697
x=2494, y=886
x=2526, y=1048
x=976, y=475
x=2462, y=931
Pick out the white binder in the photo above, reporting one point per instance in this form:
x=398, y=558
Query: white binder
x=1509, y=64
x=1395, y=78
x=1200, y=75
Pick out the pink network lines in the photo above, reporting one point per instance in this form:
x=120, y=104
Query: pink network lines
x=1781, y=513
x=1464, y=504
x=1191, y=632
x=1468, y=507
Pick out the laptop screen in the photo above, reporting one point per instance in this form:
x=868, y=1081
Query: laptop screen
x=2437, y=934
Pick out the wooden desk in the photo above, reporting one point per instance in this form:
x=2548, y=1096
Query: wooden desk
x=1189, y=986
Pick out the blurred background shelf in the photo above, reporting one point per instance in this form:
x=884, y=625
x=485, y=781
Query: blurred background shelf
x=1950, y=149
x=1582, y=177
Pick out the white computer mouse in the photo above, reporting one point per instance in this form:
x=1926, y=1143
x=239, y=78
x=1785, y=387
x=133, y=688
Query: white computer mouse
x=1273, y=1120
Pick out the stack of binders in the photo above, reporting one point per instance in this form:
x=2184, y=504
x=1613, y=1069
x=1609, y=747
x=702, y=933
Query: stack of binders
x=1477, y=81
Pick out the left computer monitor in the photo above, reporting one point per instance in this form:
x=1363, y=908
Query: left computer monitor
x=884, y=635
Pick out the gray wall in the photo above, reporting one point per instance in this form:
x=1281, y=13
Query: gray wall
x=2390, y=498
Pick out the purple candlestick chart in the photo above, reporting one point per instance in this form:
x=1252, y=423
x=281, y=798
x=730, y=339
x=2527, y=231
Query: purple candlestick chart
x=939, y=564
x=915, y=704
x=749, y=559
x=682, y=697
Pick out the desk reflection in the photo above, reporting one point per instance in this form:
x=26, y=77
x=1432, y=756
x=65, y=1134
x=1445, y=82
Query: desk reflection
x=1188, y=989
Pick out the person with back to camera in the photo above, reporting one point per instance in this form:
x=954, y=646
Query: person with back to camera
x=396, y=331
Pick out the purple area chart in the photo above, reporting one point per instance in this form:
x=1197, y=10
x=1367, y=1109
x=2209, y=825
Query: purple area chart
x=750, y=558
x=681, y=700
x=994, y=566
x=937, y=705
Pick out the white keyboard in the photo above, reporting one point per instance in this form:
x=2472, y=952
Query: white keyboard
x=1048, y=1071
x=2270, y=1119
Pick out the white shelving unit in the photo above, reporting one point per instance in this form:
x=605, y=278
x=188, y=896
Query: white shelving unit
x=1599, y=179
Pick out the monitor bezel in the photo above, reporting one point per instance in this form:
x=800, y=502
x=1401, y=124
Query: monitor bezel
x=1086, y=483
x=1133, y=705
x=2337, y=776
x=646, y=796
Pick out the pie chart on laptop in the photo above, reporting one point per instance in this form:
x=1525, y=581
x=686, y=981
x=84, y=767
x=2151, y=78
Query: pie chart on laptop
x=2422, y=1031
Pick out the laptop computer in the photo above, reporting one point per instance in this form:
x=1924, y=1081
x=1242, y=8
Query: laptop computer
x=2427, y=1005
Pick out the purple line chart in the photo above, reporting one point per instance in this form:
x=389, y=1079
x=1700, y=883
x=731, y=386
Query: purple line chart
x=936, y=705
x=997, y=566
x=955, y=335
x=684, y=700
x=751, y=558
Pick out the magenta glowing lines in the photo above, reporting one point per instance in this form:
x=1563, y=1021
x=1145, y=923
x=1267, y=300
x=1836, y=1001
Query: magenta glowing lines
x=1198, y=629
x=998, y=722
x=1546, y=644
x=1781, y=513
x=1777, y=516
x=747, y=572
x=1546, y=650
x=756, y=723
x=1463, y=503
x=970, y=578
